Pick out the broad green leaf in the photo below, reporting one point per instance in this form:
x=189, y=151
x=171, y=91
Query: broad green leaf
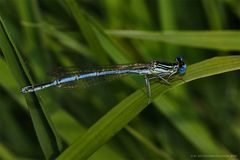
x=126, y=110
x=220, y=40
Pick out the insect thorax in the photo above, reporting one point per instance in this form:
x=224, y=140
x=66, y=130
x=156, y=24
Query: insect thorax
x=163, y=68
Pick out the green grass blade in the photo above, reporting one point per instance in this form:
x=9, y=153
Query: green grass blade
x=130, y=107
x=86, y=29
x=192, y=129
x=32, y=44
x=234, y=5
x=151, y=147
x=47, y=137
x=220, y=40
x=5, y=153
x=168, y=21
x=12, y=85
x=19, y=141
x=167, y=15
x=215, y=14
x=69, y=42
x=99, y=41
x=69, y=129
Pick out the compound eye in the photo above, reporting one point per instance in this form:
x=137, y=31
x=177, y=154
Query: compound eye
x=182, y=69
x=179, y=59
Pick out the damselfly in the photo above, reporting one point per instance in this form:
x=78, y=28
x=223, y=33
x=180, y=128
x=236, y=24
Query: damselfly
x=154, y=69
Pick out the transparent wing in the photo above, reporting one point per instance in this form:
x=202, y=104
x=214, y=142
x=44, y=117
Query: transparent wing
x=88, y=82
x=67, y=71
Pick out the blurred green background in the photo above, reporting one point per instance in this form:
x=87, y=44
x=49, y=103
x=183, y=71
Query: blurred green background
x=198, y=119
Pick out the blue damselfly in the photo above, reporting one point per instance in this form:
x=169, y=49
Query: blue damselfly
x=154, y=69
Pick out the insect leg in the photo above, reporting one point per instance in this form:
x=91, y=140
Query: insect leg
x=148, y=87
x=159, y=76
x=170, y=76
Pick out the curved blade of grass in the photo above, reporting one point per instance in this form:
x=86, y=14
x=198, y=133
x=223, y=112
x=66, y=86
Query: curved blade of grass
x=168, y=21
x=221, y=40
x=191, y=128
x=149, y=145
x=99, y=41
x=70, y=42
x=86, y=29
x=215, y=14
x=126, y=110
x=12, y=83
x=167, y=15
x=32, y=44
x=69, y=129
x=20, y=142
x=234, y=5
x=5, y=153
x=47, y=137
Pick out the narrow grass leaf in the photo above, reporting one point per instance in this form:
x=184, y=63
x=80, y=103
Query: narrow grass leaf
x=47, y=137
x=114, y=51
x=11, y=86
x=19, y=141
x=5, y=153
x=87, y=31
x=193, y=130
x=152, y=148
x=220, y=40
x=168, y=20
x=166, y=14
x=100, y=42
x=69, y=42
x=69, y=129
x=126, y=110
x=32, y=44
x=215, y=14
